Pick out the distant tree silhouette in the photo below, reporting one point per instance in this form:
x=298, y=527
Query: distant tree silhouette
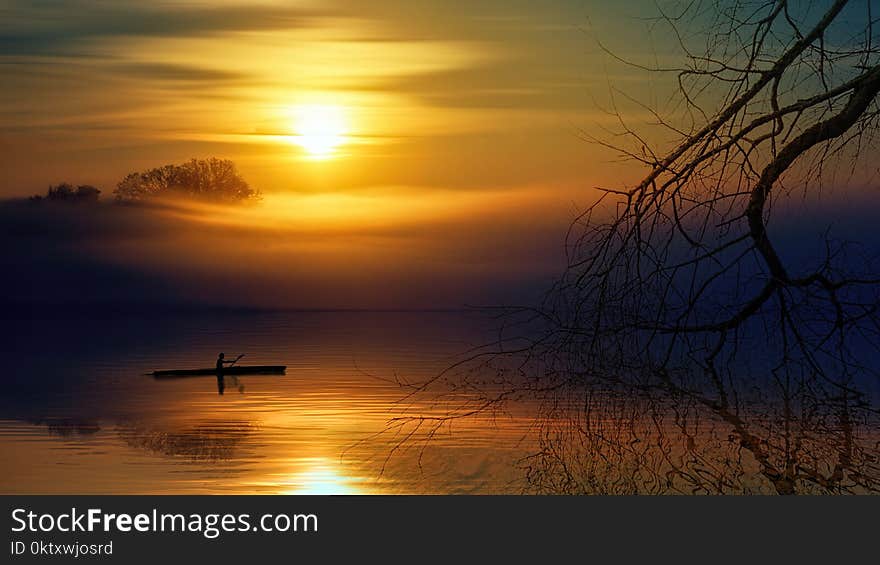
x=66, y=192
x=209, y=179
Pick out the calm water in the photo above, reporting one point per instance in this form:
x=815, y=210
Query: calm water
x=80, y=415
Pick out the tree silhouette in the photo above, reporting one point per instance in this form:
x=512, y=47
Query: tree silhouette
x=209, y=179
x=66, y=192
x=683, y=350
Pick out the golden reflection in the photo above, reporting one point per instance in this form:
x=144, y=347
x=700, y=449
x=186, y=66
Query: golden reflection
x=321, y=477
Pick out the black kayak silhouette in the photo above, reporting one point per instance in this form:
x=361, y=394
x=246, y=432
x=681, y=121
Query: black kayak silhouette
x=235, y=370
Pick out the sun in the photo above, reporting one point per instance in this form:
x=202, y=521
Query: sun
x=319, y=129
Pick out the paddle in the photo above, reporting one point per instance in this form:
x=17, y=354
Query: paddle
x=235, y=379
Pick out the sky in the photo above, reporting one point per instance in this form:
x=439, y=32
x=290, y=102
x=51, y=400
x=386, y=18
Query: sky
x=432, y=151
x=433, y=94
x=453, y=158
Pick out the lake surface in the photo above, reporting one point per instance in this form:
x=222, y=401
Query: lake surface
x=80, y=414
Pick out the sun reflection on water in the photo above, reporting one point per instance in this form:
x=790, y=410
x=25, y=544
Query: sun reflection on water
x=321, y=477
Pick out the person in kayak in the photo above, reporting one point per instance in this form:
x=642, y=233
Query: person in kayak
x=221, y=362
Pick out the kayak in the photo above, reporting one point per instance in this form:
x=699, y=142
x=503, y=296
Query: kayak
x=235, y=370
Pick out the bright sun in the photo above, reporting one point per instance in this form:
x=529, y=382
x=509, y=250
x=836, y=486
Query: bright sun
x=319, y=129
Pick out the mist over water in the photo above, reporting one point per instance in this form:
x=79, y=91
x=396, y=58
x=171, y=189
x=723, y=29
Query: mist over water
x=308, y=252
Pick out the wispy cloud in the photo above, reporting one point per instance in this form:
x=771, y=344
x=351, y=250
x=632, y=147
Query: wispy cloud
x=57, y=27
x=176, y=72
x=434, y=93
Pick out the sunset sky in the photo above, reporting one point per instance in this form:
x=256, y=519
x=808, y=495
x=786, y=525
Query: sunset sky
x=426, y=95
x=394, y=132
